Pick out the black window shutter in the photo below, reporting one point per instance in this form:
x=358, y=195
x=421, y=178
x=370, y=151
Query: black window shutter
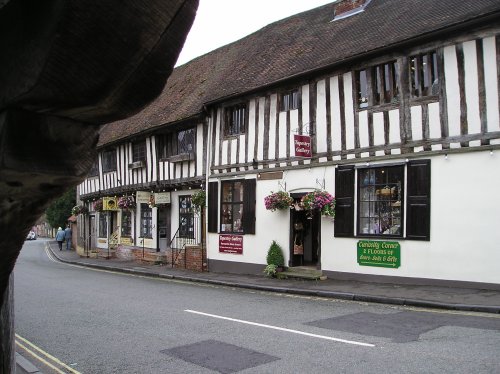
x=212, y=209
x=418, y=206
x=249, y=206
x=344, y=201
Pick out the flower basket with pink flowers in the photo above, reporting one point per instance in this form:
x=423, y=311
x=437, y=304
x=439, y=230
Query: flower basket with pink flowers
x=320, y=201
x=278, y=201
x=126, y=202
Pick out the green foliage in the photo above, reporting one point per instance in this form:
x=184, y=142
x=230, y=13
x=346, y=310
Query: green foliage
x=198, y=200
x=270, y=270
x=60, y=209
x=275, y=255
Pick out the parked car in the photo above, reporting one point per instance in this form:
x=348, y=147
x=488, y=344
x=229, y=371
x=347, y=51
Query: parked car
x=31, y=236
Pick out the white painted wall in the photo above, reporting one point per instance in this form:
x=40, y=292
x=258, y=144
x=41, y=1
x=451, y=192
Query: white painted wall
x=465, y=202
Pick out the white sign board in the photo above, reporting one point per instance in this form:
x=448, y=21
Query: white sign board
x=142, y=197
x=162, y=198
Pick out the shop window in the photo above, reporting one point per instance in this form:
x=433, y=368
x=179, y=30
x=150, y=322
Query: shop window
x=146, y=221
x=126, y=227
x=380, y=192
x=290, y=100
x=236, y=209
x=380, y=198
x=109, y=161
x=177, y=143
x=377, y=85
x=424, y=76
x=103, y=225
x=186, y=217
x=235, y=120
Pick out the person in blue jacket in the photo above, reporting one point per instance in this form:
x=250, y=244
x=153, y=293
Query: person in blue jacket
x=60, y=237
x=67, y=237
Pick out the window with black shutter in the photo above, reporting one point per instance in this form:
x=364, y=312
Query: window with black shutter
x=344, y=201
x=212, y=206
x=380, y=201
x=418, y=212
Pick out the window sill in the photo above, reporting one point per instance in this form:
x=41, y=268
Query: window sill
x=136, y=165
x=181, y=157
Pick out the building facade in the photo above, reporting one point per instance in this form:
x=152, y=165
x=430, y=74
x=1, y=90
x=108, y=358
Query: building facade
x=398, y=120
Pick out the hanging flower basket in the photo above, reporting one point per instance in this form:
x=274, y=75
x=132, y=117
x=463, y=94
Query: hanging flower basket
x=320, y=201
x=79, y=209
x=126, y=202
x=98, y=206
x=278, y=201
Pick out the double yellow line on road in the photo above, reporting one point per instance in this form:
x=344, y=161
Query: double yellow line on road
x=57, y=365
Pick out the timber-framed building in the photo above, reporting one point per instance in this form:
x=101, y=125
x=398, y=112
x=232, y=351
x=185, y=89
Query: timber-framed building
x=391, y=106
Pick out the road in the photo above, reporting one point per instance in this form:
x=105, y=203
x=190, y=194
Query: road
x=102, y=322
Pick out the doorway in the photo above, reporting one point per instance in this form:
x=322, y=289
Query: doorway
x=305, y=248
x=164, y=225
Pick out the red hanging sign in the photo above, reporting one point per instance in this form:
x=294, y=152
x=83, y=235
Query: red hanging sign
x=302, y=145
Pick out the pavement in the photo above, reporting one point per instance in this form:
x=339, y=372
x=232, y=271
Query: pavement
x=451, y=298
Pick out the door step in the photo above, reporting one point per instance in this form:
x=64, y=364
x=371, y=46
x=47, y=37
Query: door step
x=300, y=272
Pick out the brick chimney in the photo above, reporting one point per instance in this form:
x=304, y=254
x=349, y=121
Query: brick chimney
x=346, y=8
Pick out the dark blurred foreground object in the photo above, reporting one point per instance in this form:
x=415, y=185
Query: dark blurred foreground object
x=66, y=67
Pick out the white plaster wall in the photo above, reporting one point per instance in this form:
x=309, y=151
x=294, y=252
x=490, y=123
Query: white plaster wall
x=465, y=202
x=321, y=133
x=269, y=226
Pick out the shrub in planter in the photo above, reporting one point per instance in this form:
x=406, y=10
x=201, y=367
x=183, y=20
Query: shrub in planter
x=275, y=255
x=198, y=200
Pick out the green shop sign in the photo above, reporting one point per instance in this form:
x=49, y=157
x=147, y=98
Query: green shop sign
x=376, y=253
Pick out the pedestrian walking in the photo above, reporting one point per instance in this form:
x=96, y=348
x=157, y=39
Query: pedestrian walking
x=67, y=237
x=60, y=237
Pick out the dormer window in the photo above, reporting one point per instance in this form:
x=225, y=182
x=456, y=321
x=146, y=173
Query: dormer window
x=348, y=8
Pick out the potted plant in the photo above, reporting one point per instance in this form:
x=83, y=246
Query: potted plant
x=275, y=259
x=278, y=201
x=320, y=201
x=198, y=200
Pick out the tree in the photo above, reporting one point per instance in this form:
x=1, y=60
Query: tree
x=59, y=211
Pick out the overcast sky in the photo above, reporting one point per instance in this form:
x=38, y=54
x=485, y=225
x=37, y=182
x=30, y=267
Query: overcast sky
x=220, y=22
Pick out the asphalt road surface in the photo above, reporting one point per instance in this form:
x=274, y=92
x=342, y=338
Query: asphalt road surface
x=87, y=321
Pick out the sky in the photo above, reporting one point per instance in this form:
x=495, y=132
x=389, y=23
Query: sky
x=220, y=22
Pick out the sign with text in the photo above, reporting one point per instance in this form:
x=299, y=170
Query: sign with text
x=162, y=198
x=142, y=197
x=231, y=244
x=302, y=145
x=379, y=253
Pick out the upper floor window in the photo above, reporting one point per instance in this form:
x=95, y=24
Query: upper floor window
x=139, y=151
x=377, y=85
x=94, y=170
x=289, y=100
x=177, y=143
x=235, y=120
x=109, y=160
x=424, y=76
